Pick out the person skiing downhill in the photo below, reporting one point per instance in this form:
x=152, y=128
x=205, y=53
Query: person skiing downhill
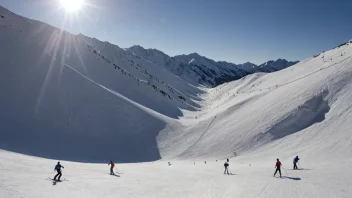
x=112, y=168
x=295, y=161
x=226, y=164
x=278, y=167
x=58, y=169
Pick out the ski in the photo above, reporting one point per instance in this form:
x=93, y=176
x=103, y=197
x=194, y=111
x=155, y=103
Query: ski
x=56, y=180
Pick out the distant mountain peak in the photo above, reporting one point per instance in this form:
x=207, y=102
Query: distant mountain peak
x=195, y=54
x=276, y=65
x=197, y=69
x=150, y=51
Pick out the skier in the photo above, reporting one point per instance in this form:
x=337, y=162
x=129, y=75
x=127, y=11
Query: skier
x=226, y=165
x=278, y=167
x=58, y=169
x=295, y=161
x=112, y=168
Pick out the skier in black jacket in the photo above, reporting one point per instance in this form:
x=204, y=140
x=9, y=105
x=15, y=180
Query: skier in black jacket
x=226, y=164
x=58, y=169
x=295, y=161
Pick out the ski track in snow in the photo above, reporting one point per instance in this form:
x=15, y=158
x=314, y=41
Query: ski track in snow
x=191, y=61
x=200, y=137
x=151, y=112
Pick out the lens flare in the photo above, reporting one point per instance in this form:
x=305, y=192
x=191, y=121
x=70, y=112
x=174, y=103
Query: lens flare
x=72, y=5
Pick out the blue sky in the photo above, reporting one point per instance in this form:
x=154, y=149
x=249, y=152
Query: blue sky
x=231, y=30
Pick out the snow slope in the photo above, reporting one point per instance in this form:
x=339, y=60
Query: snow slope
x=294, y=109
x=74, y=98
x=182, y=179
x=55, y=89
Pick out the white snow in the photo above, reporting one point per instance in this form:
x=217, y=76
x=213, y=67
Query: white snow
x=191, y=61
x=61, y=101
x=24, y=176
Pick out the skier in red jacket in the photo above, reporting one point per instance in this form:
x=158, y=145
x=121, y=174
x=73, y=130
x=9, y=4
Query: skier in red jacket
x=112, y=168
x=278, y=167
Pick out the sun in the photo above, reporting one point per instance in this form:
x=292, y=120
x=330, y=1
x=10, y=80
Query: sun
x=72, y=5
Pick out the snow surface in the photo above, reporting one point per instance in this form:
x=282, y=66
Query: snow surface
x=63, y=99
x=191, y=61
x=24, y=176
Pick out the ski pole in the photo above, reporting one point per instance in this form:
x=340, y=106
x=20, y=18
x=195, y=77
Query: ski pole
x=299, y=165
x=117, y=171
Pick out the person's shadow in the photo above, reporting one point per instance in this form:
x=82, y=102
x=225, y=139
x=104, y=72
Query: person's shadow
x=55, y=181
x=293, y=178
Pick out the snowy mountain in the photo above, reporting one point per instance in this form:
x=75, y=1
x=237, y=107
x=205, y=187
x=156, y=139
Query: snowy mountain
x=76, y=99
x=59, y=87
x=199, y=70
x=279, y=64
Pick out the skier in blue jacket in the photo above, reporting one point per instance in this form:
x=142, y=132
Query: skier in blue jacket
x=295, y=161
x=58, y=169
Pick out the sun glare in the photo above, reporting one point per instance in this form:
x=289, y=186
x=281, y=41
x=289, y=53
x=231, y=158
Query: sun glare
x=72, y=5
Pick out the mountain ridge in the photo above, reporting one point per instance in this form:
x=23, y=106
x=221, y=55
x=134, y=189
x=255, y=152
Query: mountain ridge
x=205, y=71
x=199, y=55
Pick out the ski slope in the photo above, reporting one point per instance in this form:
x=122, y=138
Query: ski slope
x=24, y=176
x=85, y=102
x=57, y=87
x=297, y=109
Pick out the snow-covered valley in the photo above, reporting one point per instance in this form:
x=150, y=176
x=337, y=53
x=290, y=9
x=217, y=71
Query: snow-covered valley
x=85, y=102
